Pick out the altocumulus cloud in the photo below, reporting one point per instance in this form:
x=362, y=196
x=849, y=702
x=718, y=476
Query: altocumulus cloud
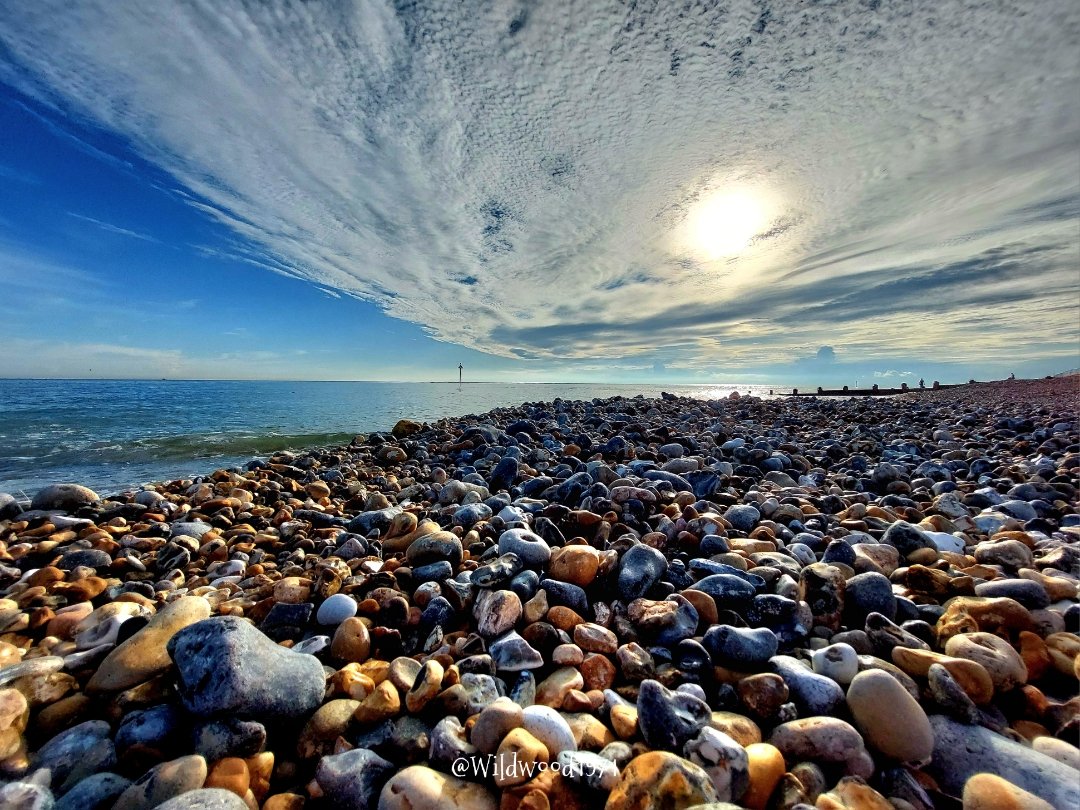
x=515, y=175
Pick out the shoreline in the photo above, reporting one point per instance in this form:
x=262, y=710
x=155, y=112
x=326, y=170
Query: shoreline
x=719, y=593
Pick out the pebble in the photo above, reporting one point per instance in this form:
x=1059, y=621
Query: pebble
x=352, y=780
x=890, y=719
x=590, y=582
x=985, y=791
x=335, y=609
x=658, y=780
x=421, y=788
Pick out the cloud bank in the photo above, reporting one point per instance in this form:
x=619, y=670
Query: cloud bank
x=517, y=176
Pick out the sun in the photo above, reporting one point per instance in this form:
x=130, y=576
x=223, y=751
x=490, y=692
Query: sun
x=723, y=223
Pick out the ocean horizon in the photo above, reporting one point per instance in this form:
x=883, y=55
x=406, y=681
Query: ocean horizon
x=116, y=434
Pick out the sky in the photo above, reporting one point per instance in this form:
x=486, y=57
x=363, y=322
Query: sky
x=791, y=193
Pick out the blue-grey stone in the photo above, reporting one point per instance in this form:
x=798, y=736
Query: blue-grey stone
x=961, y=751
x=865, y=594
x=667, y=719
x=226, y=666
x=352, y=779
x=728, y=590
x=529, y=547
x=811, y=693
x=740, y=648
x=78, y=752
x=906, y=538
x=97, y=792
x=742, y=517
x=640, y=568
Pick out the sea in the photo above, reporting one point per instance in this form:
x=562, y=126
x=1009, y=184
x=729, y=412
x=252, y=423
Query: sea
x=114, y=435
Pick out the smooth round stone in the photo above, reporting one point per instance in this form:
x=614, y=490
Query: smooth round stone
x=1058, y=749
x=985, y=791
x=436, y=547
x=352, y=641
x=1028, y=593
x=353, y=779
x=402, y=672
x=950, y=695
x=659, y=780
x=519, y=755
x=962, y=751
x=216, y=673
x=533, y=551
x=576, y=564
x=889, y=718
x=336, y=609
x=26, y=796
x=763, y=694
x=549, y=727
x=163, y=782
x=640, y=568
x=727, y=590
x=865, y=594
x=906, y=538
x=205, y=799
x=495, y=722
x=838, y=662
x=742, y=517
x=997, y=657
x=421, y=788
x=740, y=648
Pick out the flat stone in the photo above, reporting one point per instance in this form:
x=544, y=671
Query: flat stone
x=961, y=751
x=65, y=497
x=145, y=654
x=335, y=609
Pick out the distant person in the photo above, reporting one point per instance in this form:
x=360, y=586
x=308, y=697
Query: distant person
x=922, y=383
x=1012, y=376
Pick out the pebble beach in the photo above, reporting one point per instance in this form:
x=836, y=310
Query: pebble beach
x=628, y=603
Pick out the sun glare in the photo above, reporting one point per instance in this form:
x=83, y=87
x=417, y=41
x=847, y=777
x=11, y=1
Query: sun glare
x=724, y=223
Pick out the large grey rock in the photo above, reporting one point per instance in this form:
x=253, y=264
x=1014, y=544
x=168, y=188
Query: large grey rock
x=78, y=752
x=811, y=693
x=352, y=780
x=962, y=751
x=9, y=506
x=66, y=497
x=668, y=720
x=225, y=666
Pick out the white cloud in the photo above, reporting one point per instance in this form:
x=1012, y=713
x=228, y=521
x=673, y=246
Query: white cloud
x=514, y=176
x=108, y=226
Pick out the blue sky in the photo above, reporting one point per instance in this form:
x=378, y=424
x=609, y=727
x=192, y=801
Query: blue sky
x=788, y=196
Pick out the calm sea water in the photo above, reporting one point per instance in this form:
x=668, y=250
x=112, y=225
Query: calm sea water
x=114, y=434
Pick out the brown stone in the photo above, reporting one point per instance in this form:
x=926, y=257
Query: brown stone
x=597, y=671
x=144, y=656
x=659, y=780
x=576, y=564
x=986, y=791
x=352, y=641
